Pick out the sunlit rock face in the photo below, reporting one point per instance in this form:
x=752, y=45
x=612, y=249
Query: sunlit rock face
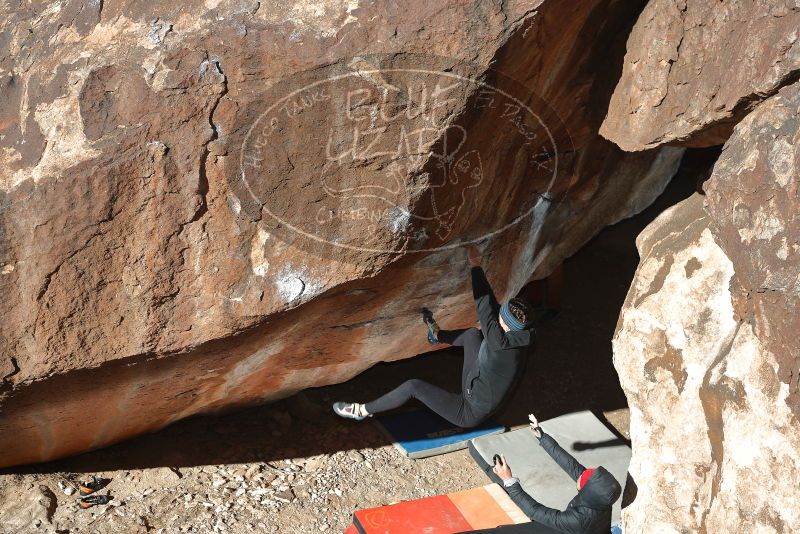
x=754, y=205
x=716, y=447
x=207, y=204
x=705, y=344
x=694, y=68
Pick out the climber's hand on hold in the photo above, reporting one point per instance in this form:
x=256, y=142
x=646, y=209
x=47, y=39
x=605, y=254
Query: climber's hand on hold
x=473, y=256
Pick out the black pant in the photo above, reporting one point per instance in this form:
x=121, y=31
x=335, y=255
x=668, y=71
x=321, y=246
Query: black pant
x=451, y=406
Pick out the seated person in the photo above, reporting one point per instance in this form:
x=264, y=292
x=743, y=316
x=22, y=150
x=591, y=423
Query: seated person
x=588, y=513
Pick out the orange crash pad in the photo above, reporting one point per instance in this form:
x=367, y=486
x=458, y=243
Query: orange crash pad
x=485, y=507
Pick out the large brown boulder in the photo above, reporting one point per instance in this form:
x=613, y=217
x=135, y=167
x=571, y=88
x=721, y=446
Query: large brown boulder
x=206, y=204
x=715, y=446
x=694, y=68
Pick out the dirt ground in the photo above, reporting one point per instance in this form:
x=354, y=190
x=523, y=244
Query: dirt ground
x=293, y=467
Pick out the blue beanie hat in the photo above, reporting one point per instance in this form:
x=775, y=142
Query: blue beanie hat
x=512, y=322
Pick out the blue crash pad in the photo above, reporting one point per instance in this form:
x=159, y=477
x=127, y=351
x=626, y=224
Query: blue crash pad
x=421, y=433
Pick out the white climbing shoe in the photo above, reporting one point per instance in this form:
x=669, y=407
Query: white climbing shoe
x=350, y=410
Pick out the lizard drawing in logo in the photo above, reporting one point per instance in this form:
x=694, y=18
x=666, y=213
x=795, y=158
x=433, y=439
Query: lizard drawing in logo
x=437, y=182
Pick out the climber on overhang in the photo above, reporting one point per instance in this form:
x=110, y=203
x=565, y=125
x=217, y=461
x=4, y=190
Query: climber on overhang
x=494, y=358
x=589, y=512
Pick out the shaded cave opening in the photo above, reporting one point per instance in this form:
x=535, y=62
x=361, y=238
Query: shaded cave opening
x=571, y=369
x=572, y=366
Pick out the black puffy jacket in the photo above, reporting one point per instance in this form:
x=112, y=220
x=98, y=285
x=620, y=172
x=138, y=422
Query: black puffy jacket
x=501, y=357
x=588, y=513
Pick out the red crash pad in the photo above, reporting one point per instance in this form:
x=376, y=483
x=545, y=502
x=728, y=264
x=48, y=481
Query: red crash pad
x=485, y=507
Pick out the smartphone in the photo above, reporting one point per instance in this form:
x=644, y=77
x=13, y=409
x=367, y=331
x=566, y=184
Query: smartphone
x=496, y=459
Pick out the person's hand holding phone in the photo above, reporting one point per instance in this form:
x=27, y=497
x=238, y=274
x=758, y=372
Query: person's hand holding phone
x=501, y=468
